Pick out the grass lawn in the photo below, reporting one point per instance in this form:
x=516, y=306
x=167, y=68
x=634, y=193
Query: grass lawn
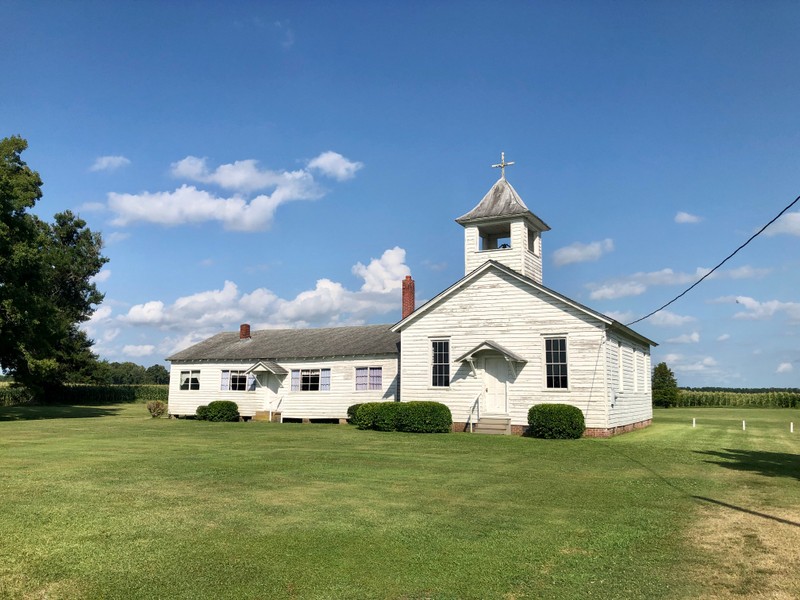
x=107, y=502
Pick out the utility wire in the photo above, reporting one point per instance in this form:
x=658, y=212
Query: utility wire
x=727, y=258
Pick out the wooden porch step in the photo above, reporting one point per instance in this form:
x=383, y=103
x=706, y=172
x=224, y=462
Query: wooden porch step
x=263, y=415
x=493, y=426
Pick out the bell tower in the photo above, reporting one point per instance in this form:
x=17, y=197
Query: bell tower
x=503, y=229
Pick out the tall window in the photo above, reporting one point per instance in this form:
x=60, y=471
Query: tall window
x=555, y=351
x=441, y=363
x=190, y=380
x=311, y=380
x=369, y=378
x=237, y=381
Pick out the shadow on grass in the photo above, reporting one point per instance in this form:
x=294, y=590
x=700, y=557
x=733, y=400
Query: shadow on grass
x=769, y=464
x=790, y=458
x=61, y=411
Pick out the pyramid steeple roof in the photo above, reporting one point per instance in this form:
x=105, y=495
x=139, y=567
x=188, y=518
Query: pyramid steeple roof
x=501, y=202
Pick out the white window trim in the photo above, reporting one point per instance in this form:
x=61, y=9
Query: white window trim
x=369, y=368
x=191, y=372
x=299, y=390
x=251, y=381
x=431, y=340
x=553, y=336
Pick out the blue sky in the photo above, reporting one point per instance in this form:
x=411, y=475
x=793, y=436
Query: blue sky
x=287, y=164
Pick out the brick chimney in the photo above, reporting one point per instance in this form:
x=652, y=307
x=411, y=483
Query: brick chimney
x=244, y=331
x=408, y=296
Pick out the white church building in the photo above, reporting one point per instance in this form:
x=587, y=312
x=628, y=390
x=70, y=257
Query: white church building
x=490, y=346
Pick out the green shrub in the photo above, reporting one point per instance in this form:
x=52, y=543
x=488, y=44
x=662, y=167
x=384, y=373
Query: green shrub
x=425, y=417
x=351, y=412
x=411, y=417
x=365, y=415
x=201, y=414
x=387, y=416
x=222, y=410
x=157, y=408
x=556, y=421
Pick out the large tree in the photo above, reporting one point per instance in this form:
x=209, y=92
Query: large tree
x=46, y=289
x=665, y=386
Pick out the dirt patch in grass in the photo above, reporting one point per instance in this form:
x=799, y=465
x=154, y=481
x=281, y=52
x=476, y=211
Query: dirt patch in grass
x=750, y=553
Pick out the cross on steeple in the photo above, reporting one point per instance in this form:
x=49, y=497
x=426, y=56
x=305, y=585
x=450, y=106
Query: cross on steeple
x=502, y=165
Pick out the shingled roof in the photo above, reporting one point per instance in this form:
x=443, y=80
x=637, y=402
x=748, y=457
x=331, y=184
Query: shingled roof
x=502, y=201
x=284, y=344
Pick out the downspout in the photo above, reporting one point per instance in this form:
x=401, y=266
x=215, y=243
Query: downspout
x=606, y=389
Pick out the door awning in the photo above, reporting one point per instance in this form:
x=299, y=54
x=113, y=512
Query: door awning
x=490, y=346
x=267, y=366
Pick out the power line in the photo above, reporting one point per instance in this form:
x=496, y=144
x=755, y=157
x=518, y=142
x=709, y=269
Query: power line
x=727, y=258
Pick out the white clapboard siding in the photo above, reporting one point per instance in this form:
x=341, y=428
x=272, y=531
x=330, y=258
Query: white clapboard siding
x=632, y=401
x=273, y=393
x=517, y=257
x=500, y=308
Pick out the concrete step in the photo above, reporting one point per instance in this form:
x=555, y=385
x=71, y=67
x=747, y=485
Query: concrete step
x=493, y=425
x=263, y=415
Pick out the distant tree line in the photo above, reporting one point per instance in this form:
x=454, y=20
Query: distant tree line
x=102, y=372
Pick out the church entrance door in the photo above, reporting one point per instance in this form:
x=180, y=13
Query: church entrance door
x=495, y=378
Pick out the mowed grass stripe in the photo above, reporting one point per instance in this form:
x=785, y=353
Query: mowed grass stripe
x=120, y=505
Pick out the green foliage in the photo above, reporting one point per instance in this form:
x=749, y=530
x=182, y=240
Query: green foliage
x=665, y=387
x=201, y=414
x=219, y=410
x=94, y=395
x=121, y=373
x=765, y=399
x=366, y=414
x=45, y=271
x=156, y=408
x=15, y=396
x=556, y=421
x=351, y=412
x=410, y=417
x=425, y=417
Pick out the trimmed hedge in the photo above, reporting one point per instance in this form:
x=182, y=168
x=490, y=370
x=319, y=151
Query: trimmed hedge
x=409, y=417
x=556, y=421
x=201, y=413
x=425, y=417
x=15, y=396
x=220, y=411
x=351, y=412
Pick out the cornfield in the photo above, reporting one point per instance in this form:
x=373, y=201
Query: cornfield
x=766, y=399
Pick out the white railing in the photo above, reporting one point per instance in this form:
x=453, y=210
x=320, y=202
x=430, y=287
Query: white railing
x=474, y=410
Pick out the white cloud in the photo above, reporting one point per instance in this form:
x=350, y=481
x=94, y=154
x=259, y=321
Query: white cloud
x=756, y=310
x=578, y=252
x=622, y=289
x=384, y=274
x=684, y=217
x=109, y=163
x=673, y=357
x=638, y=283
x=115, y=237
x=784, y=367
x=620, y=316
x=238, y=212
x=670, y=319
x=101, y=276
x=328, y=303
x=724, y=337
x=686, y=338
x=334, y=165
x=705, y=365
x=788, y=223
x=138, y=351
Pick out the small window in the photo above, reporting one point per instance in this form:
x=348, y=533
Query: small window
x=556, y=362
x=533, y=242
x=369, y=378
x=441, y=363
x=190, y=380
x=237, y=381
x=495, y=237
x=311, y=380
